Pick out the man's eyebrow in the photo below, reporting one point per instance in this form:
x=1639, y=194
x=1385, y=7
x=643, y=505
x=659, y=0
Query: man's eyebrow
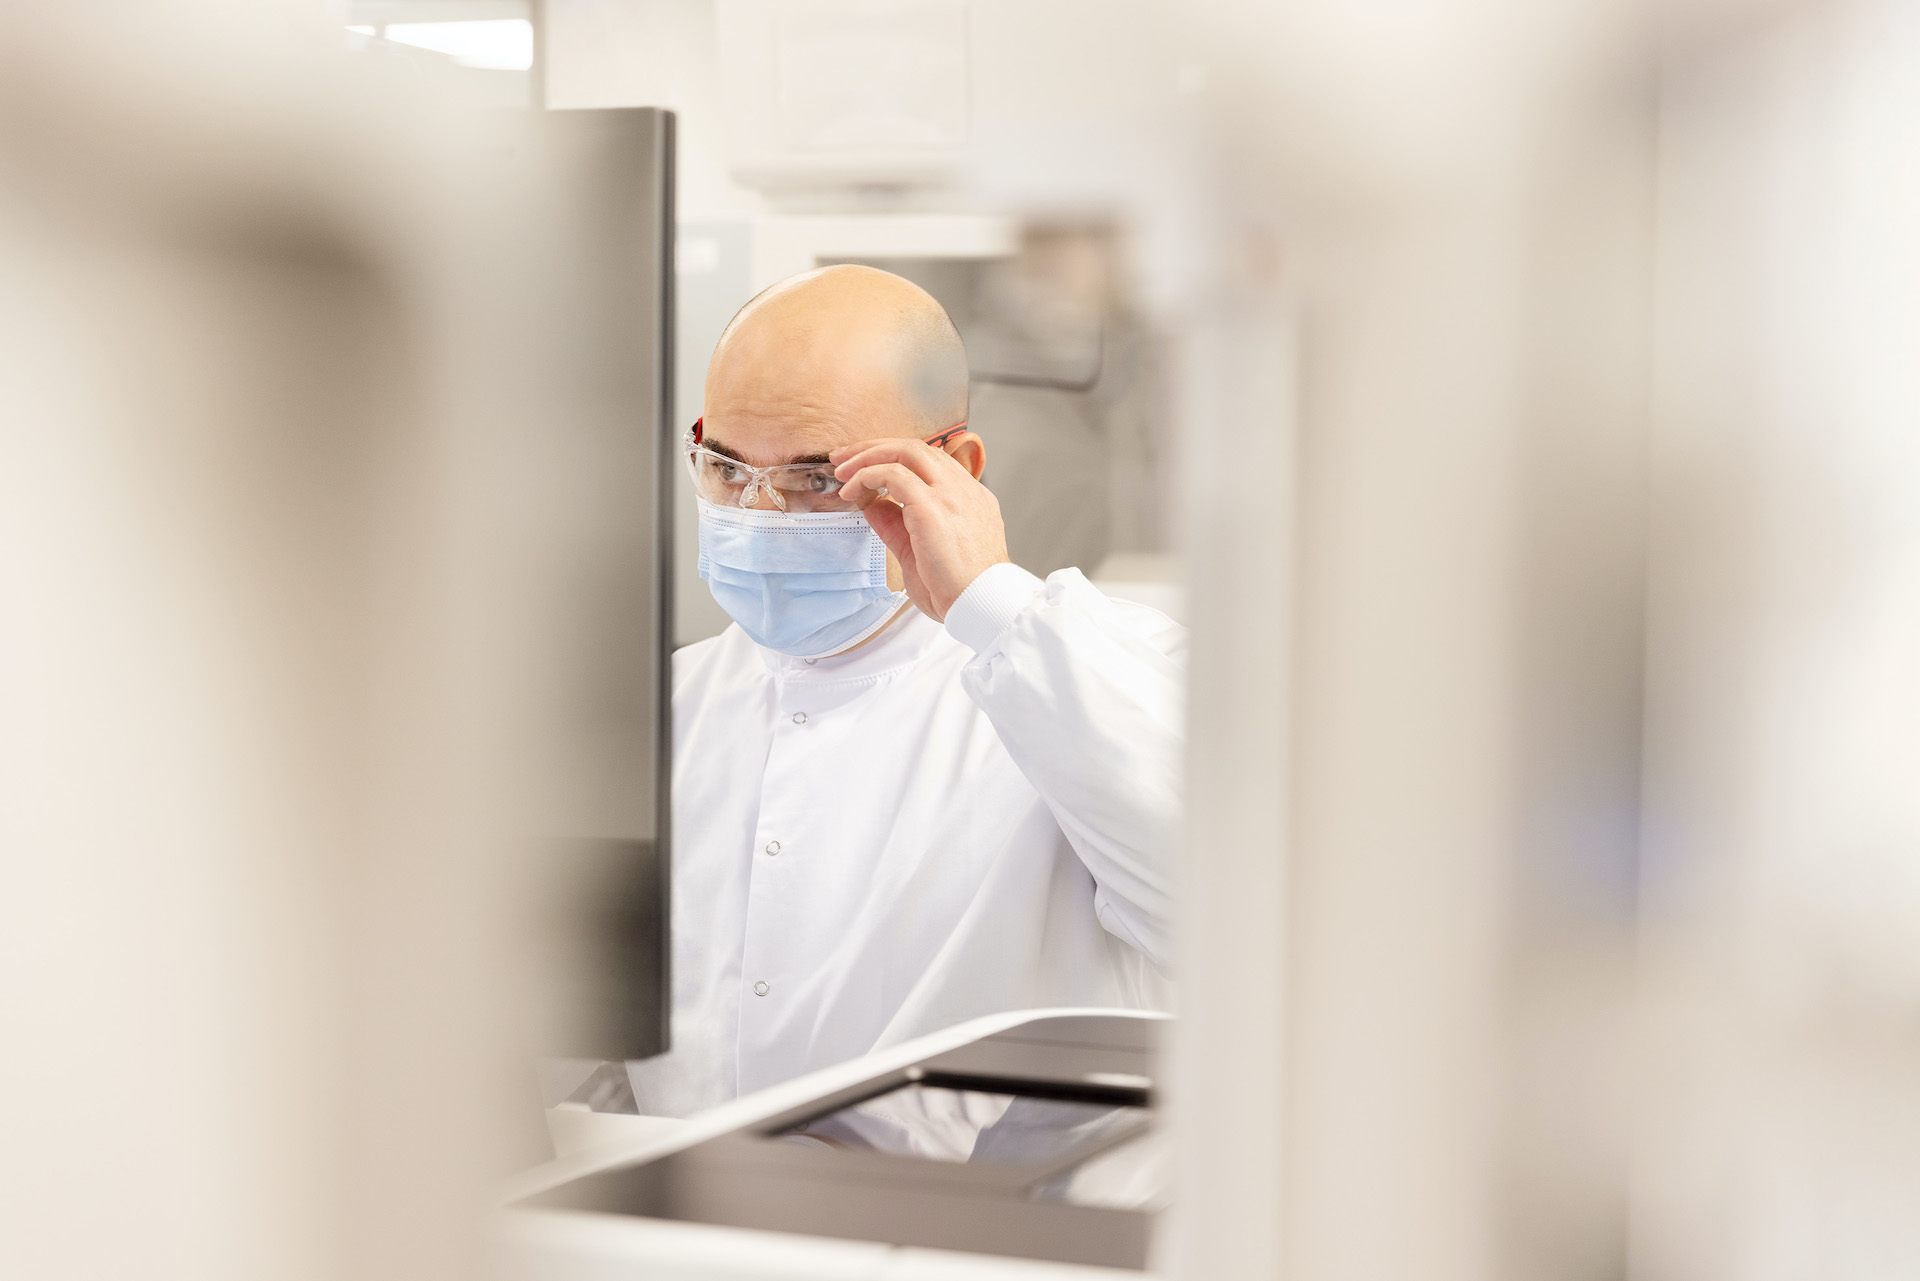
x=798, y=460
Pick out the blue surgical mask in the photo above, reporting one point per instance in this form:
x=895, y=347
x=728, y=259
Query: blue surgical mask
x=803, y=583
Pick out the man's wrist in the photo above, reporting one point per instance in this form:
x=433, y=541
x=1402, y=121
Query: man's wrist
x=991, y=602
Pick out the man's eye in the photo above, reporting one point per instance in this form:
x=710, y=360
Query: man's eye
x=823, y=482
x=731, y=474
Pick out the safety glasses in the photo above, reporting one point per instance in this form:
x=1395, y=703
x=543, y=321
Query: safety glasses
x=794, y=487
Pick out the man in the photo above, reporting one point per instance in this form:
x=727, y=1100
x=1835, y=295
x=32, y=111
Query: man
x=913, y=784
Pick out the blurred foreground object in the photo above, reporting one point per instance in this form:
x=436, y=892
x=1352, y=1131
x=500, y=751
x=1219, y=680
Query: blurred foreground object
x=1777, y=1132
x=1582, y=940
x=306, y=486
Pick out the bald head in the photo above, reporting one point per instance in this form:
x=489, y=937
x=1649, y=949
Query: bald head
x=829, y=358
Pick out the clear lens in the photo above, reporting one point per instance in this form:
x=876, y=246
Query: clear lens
x=802, y=487
x=806, y=480
x=719, y=480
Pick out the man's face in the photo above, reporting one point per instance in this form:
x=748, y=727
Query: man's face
x=768, y=404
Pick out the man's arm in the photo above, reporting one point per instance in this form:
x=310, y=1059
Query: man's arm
x=1088, y=695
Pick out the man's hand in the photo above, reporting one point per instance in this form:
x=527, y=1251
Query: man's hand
x=940, y=523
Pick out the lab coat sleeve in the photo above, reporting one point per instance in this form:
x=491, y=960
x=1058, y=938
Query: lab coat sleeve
x=1088, y=695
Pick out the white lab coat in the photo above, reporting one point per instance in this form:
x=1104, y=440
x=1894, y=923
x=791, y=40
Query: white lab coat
x=872, y=847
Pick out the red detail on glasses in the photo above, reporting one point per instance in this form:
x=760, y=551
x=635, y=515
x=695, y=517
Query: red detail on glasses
x=699, y=429
x=939, y=439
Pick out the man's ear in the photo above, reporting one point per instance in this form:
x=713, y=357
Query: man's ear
x=969, y=451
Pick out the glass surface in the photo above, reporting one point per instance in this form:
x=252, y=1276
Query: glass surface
x=1137, y=1174
x=939, y=1123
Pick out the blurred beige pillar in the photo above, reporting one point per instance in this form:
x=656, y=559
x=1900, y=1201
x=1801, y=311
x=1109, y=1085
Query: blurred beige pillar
x=270, y=341
x=1352, y=751
x=1239, y=396
x=1403, y=748
x=1462, y=428
x=1779, y=1110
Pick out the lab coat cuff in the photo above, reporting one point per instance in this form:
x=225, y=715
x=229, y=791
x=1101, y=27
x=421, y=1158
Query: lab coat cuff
x=990, y=603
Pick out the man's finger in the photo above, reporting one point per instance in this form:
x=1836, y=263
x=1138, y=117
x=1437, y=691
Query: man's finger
x=890, y=523
x=895, y=480
x=930, y=464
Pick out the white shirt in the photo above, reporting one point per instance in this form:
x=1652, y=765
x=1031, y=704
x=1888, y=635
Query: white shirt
x=943, y=823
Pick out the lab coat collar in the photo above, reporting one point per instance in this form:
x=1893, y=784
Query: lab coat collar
x=899, y=644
